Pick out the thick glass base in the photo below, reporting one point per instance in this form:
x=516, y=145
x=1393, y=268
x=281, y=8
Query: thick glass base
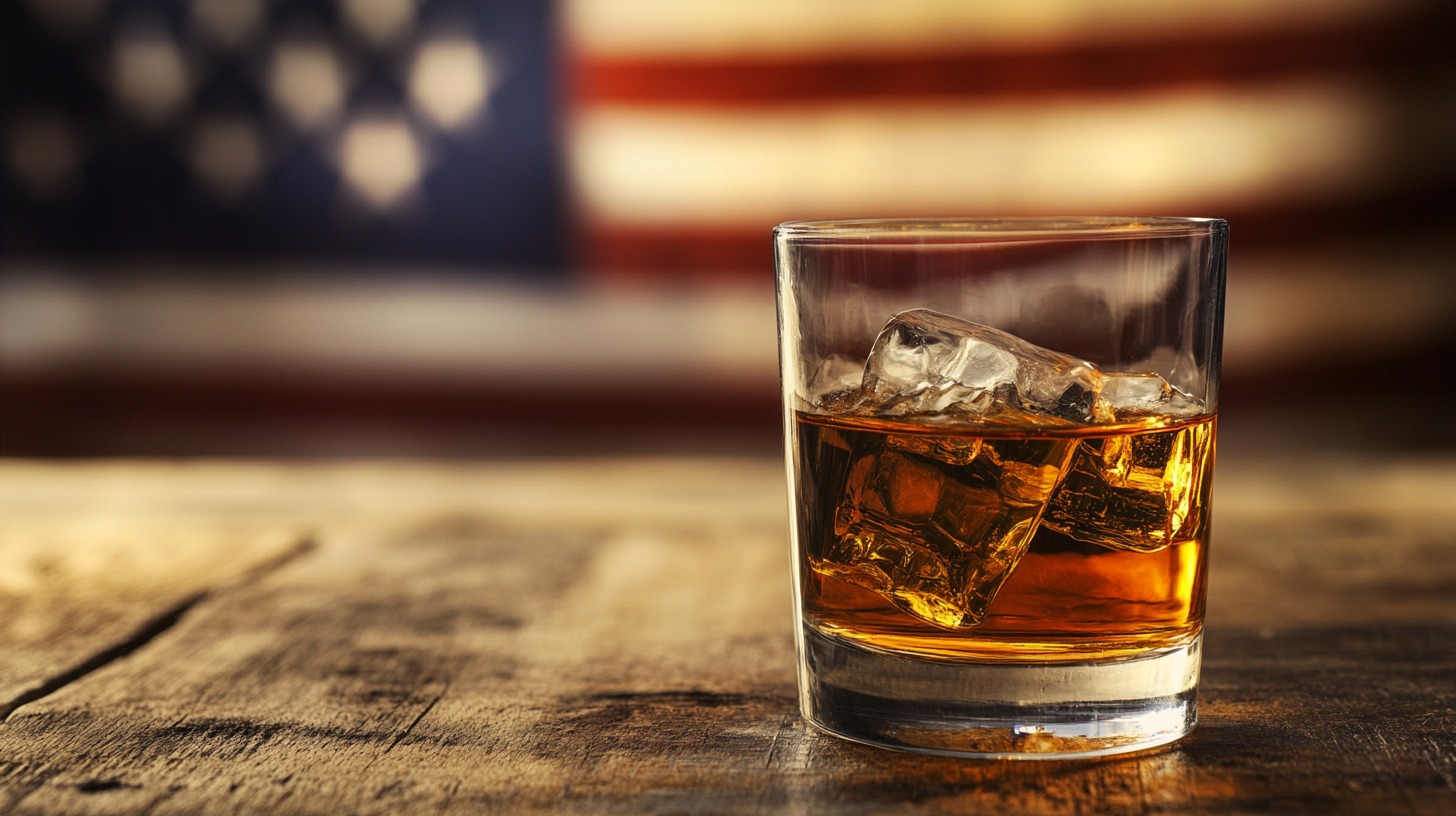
x=999, y=710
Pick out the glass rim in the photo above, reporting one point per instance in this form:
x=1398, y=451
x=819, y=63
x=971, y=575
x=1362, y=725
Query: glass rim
x=977, y=229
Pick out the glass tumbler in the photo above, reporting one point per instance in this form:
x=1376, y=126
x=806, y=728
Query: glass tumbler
x=1000, y=444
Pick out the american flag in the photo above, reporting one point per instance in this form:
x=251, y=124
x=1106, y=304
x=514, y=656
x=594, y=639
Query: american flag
x=661, y=140
x=694, y=127
x=631, y=157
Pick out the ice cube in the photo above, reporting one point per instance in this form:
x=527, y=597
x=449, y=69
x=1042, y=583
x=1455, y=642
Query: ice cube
x=1130, y=396
x=937, y=524
x=924, y=362
x=836, y=377
x=1139, y=492
x=952, y=450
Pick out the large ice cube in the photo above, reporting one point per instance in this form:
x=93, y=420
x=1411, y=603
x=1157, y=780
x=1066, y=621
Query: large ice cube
x=924, y=362
x=936, y=524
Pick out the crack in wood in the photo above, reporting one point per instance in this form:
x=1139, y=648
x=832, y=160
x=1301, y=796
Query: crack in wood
x=305, y=545
x=416, y=721
x=773, y=746
x=144, y=634
x=104, y=785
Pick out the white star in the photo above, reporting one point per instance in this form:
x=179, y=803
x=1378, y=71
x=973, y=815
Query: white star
x=149, y=76
x=379, y=21
x=450, y=80
x=230, y=23
x=68, y=16
x=227, y=155
x=306, y=80
x=44, y=154
x=381, y=160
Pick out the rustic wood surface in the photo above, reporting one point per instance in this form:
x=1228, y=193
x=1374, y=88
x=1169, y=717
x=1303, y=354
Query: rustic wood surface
x=615, y=637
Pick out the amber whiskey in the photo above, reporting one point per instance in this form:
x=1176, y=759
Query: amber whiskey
x=995, y=542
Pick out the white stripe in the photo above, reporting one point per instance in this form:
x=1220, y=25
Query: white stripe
x=1122, y=154
x=1370, y=300
x=701, y=28
x=467, y=331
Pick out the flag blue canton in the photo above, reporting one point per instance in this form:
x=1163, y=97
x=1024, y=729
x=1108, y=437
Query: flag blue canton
x=390, y=130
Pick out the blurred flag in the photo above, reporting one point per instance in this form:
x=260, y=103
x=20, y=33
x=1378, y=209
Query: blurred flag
x=345, y=130
x=696, y=126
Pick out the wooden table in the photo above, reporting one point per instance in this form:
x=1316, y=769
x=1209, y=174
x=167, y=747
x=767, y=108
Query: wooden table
x=614, y=636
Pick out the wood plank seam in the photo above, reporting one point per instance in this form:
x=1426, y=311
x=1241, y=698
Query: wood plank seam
x=141, y=637
x=149, y=631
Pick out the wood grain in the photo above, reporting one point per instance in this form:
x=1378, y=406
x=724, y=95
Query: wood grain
x=614, y=637
x=77, y=592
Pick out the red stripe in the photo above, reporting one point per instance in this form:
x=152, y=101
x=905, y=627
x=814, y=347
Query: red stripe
x=1409, y=45
x=184, y=412
x=647, y=253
